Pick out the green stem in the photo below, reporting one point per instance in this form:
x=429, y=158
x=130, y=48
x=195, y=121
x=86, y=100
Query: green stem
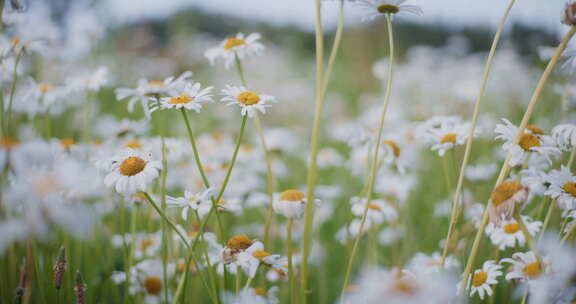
x=527, y=235
x=12, y=92
x=133, y=217
x=374, y=165
x=548, y=217
x=290, y=263
x=469, y=140
x=163, y=176
x=506, y=166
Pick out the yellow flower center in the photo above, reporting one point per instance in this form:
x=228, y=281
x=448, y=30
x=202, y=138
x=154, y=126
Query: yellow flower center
x=479, y=278
x=8, y=142
x=374, y=207
x=292, y=195
x=528, y=141
x=140, y=196
x=67, y=143
x=505, y=191
x=533, y=269
x=15, y=42
x=146, y=243
x=260, y=291
x=156, y=83
x=448, y=138
x=239, y=242
x=511, y=228
x=535, y=129
x=181, y=99
x=260, y=254
x=248, y=98
x=404, y=286
x=388, y=8
x=233, y=42
x=570, y=188
x=193, y=234
x=181, y=265
x=44, y=184
x=394, y=146
x=132, y=166
x=153, y=285
x=44, y=88
x=134, y=144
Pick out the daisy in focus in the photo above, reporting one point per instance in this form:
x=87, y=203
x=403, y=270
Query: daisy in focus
x=190, y=97
x=131, y=171
x=531, y=141
x=197, y=202
x=446, y=135
x=480, y=281
x=235, y=47
x=382, y=8
x=249, y=101
x=525, y=266
x=562, y=188
x=509, y=234
x=290, y=203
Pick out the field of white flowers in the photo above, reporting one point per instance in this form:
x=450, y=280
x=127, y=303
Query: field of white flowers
x=223, y=169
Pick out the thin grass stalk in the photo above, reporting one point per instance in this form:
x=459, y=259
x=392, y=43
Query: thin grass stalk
x=469, y=140
x=374, y=165
x=506, y=165
x=163, y=176
x=292, y=284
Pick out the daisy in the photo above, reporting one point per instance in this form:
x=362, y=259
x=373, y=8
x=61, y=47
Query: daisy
x=422, y=263
x=565, y=136
x=90, y=82
x=249, y=101
x=532, y=140
x=378, y=210
x=447, y=135
x=190, y=97
x=562, y=188
x=381, y=8
x=239, y=46
x=290, y=203
x=227, y=256
x=131, y=171
x=251, y=258
x=148, y=278
x=525, y=266
x=508, y=232
x=480, y=281
x=191, y=201
x=482, y=172
x=146, y=90
x=505, y=198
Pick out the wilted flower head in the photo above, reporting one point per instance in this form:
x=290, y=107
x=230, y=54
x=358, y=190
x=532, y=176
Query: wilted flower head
x=505, y=198
x=569, y=15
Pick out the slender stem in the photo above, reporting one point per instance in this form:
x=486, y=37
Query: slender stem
x=506, y=166
x=374, y=165
x=133, y=217
x=166, y=219
x=12, y=91
x=547, y=218
x=527, y=235
x=290, y=263
x=233, y=160
x=163, y=176
x=471, y=131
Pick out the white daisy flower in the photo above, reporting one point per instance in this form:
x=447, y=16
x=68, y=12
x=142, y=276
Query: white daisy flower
x=251, y=258
x=447, y=135
x=378, y=210
x=565, y=136
x=239, y=46
x=481, y=172
x=508, y=232
x=532, y=140
x=525, y=266
x=423, y=263
x=131, y=171
x=91, y=81
x=505, y=198
x=381, y=8
x=148, y=278
x=190, y=201
x=562, y=188
x=190, y=97
x=145, y=90
x=249, y=101
x=290, y=203
x=145, y=244
x=479, y=282
x=536, y=180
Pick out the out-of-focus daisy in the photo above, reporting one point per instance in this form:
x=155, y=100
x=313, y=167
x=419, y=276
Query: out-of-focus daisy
x=532, y=140
x=145, y=244
x=190, y=97
x=446, y=136
x=239, y=46
x=191, y=202
x=148, y=278
x=505, y=198
x=381, y=8
x=131, y=171
x=290, y=203
x=251, y=258
x=90, y=81
x=536, y=180
x=480, y=172
x=249, y=101
x=252, y=296
x=423, y=263
x=525, y=266
x=562, y=188
x=378, y=210
x=480, y=281
x=508, y=232
x=565, y=136
x=328, y=157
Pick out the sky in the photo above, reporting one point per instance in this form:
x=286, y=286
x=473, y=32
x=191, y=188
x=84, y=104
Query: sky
x=544, y=13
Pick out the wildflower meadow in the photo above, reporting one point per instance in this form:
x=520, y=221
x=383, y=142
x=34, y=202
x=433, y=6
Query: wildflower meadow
x=197, y=159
